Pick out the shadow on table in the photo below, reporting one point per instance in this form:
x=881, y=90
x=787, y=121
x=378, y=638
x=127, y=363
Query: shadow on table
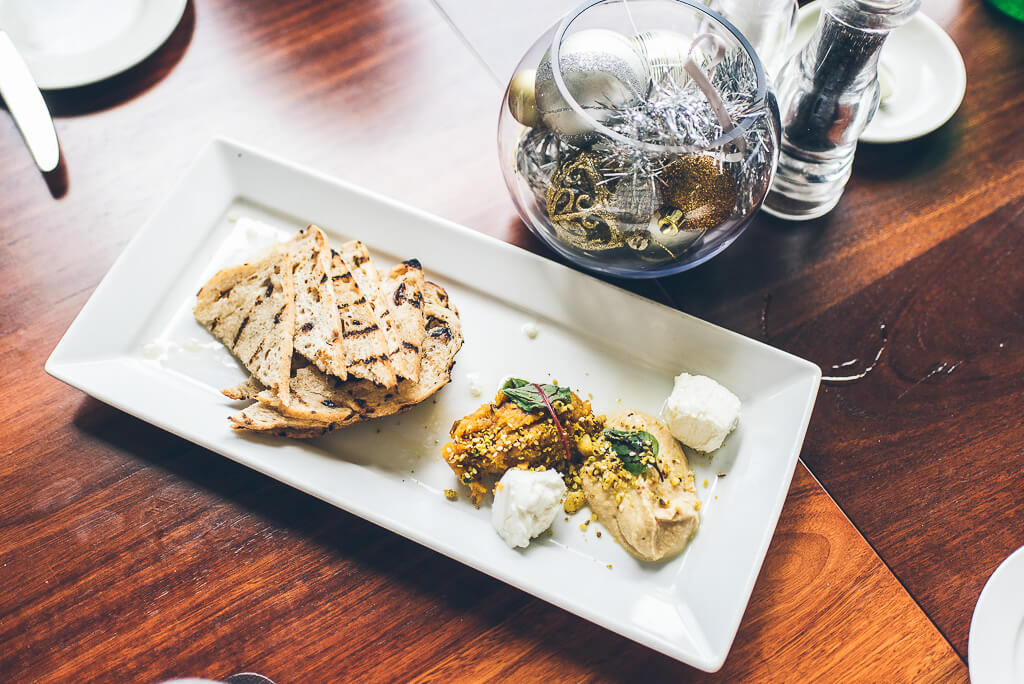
x=653, y=288
x=911, y=158
x=770, y=250
x=536, y=627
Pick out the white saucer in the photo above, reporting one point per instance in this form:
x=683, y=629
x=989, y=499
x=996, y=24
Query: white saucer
x=922, y=67
x=69, y=43
x=995, y=647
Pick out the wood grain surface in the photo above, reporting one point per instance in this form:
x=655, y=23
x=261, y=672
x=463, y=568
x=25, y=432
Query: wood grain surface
x=129, y=555
x=155, y=559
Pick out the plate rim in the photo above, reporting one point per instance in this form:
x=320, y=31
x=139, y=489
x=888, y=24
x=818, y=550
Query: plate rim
x=64, y=369
x=130, y=48
x=982, y=619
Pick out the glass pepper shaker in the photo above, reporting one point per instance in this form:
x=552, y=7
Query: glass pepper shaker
x=827, y=94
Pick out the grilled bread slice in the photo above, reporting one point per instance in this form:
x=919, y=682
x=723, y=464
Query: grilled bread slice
x=245, y=390
x=260, y=418
x=366, y=349
x=251, y=309
x=357, y=258
x=315, y=397
x=402, y=290
x=318, y=332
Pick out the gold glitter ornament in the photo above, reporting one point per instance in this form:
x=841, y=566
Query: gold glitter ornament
x=701, y=190
x=522, y=100
x=577, y=202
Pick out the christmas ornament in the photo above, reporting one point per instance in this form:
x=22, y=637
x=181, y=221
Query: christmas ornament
x=522, y=101
x=666, y=53
x=704, y=192
x=634, y=197
x=577, y=203
x=602, y=72
x=674, y=233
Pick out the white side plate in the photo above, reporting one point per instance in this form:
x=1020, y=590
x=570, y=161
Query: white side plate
x=69, y=43
x=598, y=339
x=995, y=646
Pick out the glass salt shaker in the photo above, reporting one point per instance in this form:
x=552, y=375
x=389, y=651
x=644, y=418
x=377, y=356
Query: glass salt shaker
x=827, y=94
x=767, y=24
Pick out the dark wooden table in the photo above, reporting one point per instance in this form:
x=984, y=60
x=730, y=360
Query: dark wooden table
x=129, y=555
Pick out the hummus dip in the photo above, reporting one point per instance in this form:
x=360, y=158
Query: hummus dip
x=654, y=514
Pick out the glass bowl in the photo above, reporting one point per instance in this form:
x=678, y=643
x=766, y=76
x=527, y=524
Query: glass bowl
x=638, y=137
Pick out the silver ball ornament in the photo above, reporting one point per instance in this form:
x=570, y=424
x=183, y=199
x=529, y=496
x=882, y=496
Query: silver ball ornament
x=635, y=199
x=602, y=73
x=665, y=52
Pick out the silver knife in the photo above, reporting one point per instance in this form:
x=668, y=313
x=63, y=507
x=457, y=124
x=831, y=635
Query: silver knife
x=19, y=91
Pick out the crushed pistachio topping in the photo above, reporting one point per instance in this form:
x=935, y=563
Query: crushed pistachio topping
x=574, y=501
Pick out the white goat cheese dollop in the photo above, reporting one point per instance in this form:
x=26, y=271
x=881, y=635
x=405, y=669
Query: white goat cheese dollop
x=700, y=412
x=525, y=504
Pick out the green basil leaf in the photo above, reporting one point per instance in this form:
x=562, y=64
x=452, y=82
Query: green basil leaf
x=629, y=446
x=526, y=395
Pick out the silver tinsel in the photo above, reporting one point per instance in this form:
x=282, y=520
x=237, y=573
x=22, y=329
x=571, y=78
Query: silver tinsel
x=677, y=113
x=539, y=155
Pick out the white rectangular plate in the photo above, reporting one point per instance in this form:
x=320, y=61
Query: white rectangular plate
x=600, y=340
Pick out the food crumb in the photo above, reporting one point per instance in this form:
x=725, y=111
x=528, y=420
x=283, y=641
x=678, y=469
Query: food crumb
x=705, y=483
x=599, y=534
x=609, y=566
x=697, y=505
x=593, y=516
x=530, y=330
x=585, y=525
x=451, y=494
x=475, y=388
x=721, y=474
